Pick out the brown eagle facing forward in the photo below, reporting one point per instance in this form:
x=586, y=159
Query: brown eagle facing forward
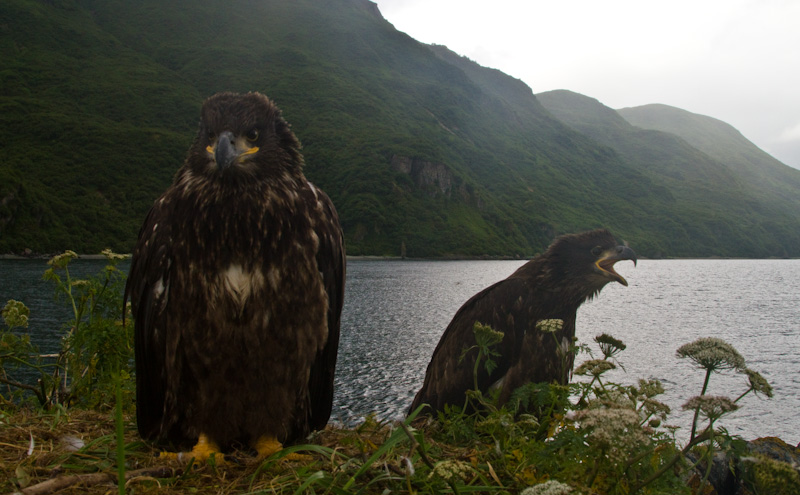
x=550, y=286
x=236, y=287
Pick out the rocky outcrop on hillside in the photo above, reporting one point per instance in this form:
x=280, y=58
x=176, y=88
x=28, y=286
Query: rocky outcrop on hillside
x=436, y=179
x=432, y=177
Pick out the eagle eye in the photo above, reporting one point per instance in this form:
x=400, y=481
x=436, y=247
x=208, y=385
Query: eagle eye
x=596, y=251
x=252, y=134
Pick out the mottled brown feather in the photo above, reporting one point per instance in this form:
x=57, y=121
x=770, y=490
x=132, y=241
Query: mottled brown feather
x=550, y=286
x=236, y=285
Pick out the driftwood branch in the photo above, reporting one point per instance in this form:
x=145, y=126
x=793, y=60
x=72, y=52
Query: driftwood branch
x=7, y=381
x=91, y=479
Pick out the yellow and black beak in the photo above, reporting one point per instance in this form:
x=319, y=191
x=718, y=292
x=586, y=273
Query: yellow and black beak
x=605, y=264
x=227, y=149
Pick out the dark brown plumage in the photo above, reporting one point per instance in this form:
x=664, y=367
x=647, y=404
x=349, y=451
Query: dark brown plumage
x=236, y=286
x=550, y=286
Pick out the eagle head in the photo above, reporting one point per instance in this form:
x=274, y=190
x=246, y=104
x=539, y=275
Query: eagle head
x=587, y=259
x=243, y=134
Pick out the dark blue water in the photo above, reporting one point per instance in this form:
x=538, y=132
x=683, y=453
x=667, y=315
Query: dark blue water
x=395, y=312
x=22, y=280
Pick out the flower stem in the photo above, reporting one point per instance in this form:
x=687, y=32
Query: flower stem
x=595, y=469
x=699, y=439
x=709, y=458
x=743, y=394
x=697, y=409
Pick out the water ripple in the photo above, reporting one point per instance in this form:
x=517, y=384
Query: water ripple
x=395, y=312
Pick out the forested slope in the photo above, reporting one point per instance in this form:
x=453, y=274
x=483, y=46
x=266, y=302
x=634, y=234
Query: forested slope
x=423, y=152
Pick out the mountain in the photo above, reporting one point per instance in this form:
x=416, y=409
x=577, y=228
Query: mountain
x=660, y=153
x=424, y=152
x=721, y=142
x=710, y=167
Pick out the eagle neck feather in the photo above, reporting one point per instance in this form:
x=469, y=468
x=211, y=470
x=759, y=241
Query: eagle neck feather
x=553, y=288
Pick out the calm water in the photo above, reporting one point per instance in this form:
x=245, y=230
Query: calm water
x=395, y=312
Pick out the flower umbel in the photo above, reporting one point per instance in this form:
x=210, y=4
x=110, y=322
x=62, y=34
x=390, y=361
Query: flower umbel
x=758, y=383
x=616, y=431
x=15, y=314
x=594, y=367
x=551, y=487
x=112, y=256
x=550, y=326
x=655, y=408
x=609, y=346
x=63, y=259
x=712, y=407
x=650, y=388
x=451, y=469
x=485, y=335
x=712, y=354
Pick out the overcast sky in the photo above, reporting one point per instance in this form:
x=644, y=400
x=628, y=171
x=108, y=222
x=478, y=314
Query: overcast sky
x=734, y=60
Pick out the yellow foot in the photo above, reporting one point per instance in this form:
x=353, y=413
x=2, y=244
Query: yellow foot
x=202, y=451
x=266, y=446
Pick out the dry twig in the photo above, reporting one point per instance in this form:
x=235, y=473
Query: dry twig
x=91, y=479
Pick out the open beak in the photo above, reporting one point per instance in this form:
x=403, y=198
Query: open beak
x=606, y=263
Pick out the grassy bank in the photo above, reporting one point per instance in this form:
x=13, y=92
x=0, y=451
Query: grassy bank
x=74, y=451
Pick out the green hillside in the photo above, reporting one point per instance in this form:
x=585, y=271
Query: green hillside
x=726, y=199
x=723, y=143
x=422, y=151
x=660, y=153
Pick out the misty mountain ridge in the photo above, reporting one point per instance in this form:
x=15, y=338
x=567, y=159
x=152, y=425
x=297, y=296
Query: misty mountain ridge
x=424, y=152
x=722, y=142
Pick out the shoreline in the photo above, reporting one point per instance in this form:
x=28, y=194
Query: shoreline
x=370, y=257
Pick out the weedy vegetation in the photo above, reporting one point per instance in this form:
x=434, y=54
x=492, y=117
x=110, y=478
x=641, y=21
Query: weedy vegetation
x=68, y=427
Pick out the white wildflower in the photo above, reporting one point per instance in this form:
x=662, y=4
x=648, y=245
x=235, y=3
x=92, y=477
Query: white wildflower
x=550, y=326
x=112, y=256
x=63, y=259
x=712, y=354
x=451, y=469
x=615, y=431
x=551, y=487
x=712, y=407
x=594, y=367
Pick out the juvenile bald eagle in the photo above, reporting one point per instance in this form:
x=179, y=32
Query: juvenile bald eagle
x=550, y=286
x=236, y=287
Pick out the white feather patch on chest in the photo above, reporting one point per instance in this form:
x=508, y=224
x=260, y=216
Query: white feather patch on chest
x=160, y=295
x=241, y=284
x=158, y=288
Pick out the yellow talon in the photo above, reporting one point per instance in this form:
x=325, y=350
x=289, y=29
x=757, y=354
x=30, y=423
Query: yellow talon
x=202, y=451
x=266, y=446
